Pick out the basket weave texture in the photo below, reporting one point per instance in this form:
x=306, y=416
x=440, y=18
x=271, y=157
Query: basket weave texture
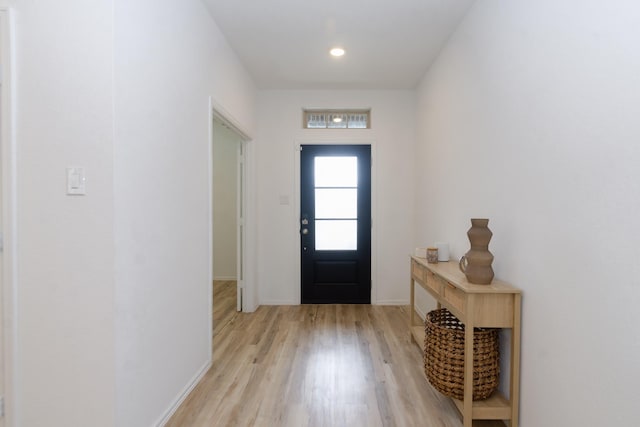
x=444, y=356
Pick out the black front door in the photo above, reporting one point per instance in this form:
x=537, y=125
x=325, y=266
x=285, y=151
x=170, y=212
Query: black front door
x=335, y=223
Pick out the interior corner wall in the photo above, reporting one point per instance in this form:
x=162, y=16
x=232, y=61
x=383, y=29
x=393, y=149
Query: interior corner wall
x=392, y=136
x=64, y=372
x=169, y=58
x=529, y=117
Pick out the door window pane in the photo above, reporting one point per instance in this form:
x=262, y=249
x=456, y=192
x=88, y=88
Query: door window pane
x=337, y=203
x=336, y=235
x=336, y=171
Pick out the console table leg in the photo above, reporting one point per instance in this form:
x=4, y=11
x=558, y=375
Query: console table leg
x=514, y=380
x=412, y=314
x=467, y=412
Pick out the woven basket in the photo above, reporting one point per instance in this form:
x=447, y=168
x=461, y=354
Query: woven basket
x=444, y=356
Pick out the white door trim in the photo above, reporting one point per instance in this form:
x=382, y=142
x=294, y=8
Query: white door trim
x=241, y=241
x=9, y=226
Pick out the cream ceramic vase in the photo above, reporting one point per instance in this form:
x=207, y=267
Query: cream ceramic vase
x=476, y=263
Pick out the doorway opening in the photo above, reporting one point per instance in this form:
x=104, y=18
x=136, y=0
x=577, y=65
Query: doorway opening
x=227, y=211
x=228, y=220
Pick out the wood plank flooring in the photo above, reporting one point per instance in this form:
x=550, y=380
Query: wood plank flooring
x=314, y=365
x=224, y=305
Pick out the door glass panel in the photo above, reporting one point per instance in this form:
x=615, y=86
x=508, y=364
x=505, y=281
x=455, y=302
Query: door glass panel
x=336, y=203
x=336, y=171
x=336, y=235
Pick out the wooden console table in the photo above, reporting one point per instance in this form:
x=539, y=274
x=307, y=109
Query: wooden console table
x=496, y=305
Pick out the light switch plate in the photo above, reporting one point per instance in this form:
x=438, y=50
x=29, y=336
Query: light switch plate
x=284, y=199
x=76, y=181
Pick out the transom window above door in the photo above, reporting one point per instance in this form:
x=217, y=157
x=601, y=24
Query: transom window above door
x=337, y=119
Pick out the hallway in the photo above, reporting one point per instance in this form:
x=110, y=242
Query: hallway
x=313, y=365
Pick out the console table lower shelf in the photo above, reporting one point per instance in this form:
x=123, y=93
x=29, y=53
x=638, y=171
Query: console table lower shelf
x=496, y=407
x=497, y=305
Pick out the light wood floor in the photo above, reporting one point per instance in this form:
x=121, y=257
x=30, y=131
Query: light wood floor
x=314, y=365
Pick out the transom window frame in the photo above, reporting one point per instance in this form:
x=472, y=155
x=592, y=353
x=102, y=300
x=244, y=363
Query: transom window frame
x=336, y=118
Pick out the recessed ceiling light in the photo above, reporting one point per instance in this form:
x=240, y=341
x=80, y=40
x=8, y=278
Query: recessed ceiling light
x=337, y=119
x=337, y=51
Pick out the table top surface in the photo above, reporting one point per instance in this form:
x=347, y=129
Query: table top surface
x=450, y=271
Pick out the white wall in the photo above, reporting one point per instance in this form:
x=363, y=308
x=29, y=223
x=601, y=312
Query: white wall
x=169, y=57
x=392, y=137
x=65, y=373
x=531, y=116
x=225, y=198
x=114, y=287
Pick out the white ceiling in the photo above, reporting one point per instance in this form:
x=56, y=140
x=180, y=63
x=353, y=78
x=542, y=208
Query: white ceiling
x=284, y=44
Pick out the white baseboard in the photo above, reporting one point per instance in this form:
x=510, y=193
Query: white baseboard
x=279, y=302
x=183, y=395
x=226, y=278
x=392, y=302
x=291, y=302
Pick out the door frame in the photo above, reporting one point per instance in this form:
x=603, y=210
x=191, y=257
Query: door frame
x=374, y=208
x=247, y=264
x=224, y=134
x=8, y=215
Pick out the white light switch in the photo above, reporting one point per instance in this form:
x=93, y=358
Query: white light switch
x=284, y=199
x=75, y=181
